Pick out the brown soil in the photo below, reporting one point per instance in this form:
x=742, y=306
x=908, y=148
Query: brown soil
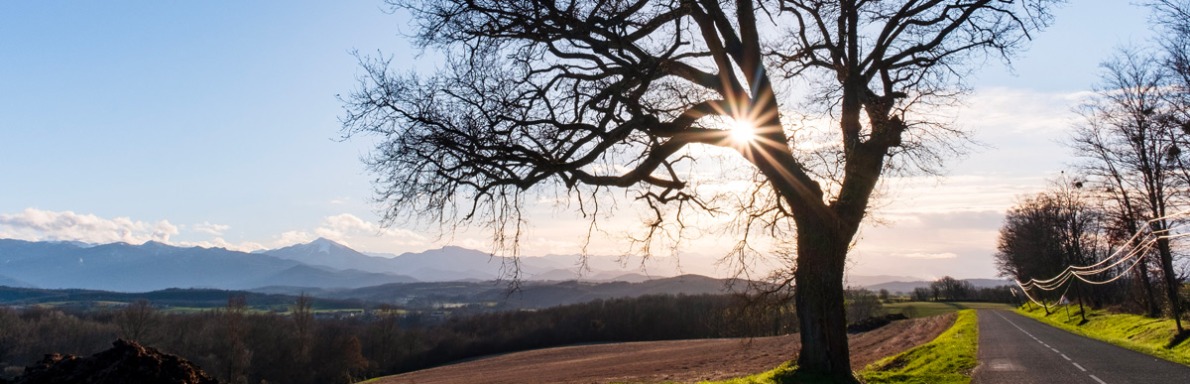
x=125, y=362
x=677, y=361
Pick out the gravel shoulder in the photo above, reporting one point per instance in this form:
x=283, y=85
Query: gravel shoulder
x=673, y=361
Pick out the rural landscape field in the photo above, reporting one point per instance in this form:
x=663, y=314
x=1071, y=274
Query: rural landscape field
x=595, y=191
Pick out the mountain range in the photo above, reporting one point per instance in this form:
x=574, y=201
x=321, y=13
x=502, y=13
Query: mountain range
x=321, y=264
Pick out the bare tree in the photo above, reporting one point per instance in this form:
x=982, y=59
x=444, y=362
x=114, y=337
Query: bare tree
x=136, y=320
x=1047, y=232
x=1131, y=150
x=584, y=96
x=302, y=312
x=234, y=354
x=1173, y=18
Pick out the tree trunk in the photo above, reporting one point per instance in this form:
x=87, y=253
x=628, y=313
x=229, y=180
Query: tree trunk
x=1171, y=281
x=819, y=282
x=1142, y=273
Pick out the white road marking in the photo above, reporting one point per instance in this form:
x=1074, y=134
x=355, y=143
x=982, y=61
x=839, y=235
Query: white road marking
x=1052, y=348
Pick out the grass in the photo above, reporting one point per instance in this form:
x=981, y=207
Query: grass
x=915, y=309
x=1142, y=334
x=949, y=358
x=785, y=374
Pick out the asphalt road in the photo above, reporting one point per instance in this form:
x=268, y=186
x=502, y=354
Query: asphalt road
x=1016, y=349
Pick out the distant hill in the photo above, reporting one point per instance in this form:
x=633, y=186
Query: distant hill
x=868, y=281
x=909, y=286
x=453, y=263
x=174, y=297
x=6, y=281
x=315, y=276
x=531, y=294
x=418, y=295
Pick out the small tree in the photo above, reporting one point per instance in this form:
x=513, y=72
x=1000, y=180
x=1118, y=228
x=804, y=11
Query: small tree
x=234, y=354
x=302, y=312
x=862, y=305
x=922, y=294
x=136, y=320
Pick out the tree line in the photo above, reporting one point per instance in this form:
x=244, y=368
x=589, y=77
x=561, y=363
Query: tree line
x=948, y=288
x=239, y=345
x=1129, y=195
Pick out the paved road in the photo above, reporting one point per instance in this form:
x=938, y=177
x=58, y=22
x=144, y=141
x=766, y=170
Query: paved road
x=1016, y=349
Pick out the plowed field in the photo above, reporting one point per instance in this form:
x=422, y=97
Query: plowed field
x=673, y=361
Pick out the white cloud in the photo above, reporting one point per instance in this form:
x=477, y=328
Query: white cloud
x=34, y=224
x=38, y=225
x=211, y=229
x=1017, y=111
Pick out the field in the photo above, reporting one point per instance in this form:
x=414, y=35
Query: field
x=667, y=361
x=917, y=309
x=947, y=359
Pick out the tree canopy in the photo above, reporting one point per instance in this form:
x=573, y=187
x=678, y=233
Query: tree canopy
x=583, y=96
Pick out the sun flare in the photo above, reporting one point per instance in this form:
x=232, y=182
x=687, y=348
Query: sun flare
x=742, y=131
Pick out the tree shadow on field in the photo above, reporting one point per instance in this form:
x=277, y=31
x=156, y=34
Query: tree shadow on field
x=1178, y=339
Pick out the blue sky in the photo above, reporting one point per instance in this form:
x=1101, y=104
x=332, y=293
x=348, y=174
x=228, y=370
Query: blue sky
x=215, y=123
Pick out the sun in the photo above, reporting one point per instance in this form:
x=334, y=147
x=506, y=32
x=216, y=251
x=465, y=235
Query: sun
x=742, y=131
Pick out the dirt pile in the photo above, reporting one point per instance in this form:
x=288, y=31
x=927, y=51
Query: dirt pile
x=125, y=362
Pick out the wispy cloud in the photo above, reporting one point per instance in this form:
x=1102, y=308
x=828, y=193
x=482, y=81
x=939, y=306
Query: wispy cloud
x=211, y=229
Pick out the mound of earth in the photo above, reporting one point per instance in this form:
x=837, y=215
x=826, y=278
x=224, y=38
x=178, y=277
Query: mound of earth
x=125, y=362
x=680, y=361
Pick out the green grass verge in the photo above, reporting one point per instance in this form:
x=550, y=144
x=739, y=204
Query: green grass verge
x=915, y=309
x=1138, y=333
x=785, y=374
x=949, y=358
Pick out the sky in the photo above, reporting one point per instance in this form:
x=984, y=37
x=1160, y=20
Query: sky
x=215, y=123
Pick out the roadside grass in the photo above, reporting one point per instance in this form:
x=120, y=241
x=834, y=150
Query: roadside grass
x=784, y=374
x=949, y=358
x=1138, y=333
x=915, y=309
